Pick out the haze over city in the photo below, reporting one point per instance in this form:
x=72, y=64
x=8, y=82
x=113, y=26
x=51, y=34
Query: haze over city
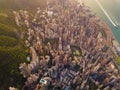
x=59, y=45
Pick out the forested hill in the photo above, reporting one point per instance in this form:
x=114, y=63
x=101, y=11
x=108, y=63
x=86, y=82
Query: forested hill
x=12, y=50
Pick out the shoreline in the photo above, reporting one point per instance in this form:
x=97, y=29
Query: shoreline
x=100, y=13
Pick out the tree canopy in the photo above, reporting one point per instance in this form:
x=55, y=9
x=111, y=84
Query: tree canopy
x=12, y=49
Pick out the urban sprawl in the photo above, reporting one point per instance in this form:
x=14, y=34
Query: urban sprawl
x=70, y=49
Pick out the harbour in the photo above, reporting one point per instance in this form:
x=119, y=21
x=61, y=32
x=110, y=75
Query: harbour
x=109, y=12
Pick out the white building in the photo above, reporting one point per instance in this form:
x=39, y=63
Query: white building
x=117, y=46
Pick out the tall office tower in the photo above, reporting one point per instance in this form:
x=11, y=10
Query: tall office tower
x=24, y=70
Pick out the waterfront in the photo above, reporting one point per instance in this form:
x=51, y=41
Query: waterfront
x=69, y=49
x=112, y=9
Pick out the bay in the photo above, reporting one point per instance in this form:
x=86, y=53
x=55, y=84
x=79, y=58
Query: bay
x=112, y=8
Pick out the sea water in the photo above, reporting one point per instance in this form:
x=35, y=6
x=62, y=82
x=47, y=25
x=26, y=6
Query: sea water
x=112, y=9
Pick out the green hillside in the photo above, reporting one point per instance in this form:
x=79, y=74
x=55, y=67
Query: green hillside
x=12, y=49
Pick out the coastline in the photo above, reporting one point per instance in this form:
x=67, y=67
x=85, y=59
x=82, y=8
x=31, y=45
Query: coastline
x=96, y=9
